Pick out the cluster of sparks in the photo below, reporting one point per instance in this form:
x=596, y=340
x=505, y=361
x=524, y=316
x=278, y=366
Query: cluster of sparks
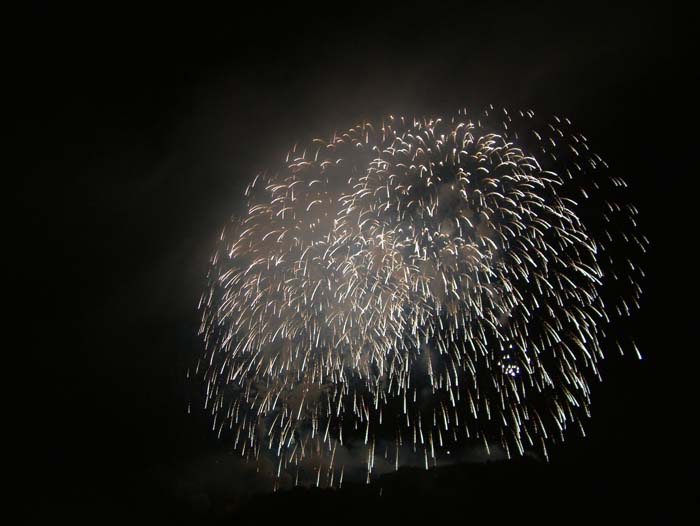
x=415, y=285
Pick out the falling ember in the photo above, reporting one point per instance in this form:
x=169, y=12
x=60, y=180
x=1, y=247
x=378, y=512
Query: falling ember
x=417, y=283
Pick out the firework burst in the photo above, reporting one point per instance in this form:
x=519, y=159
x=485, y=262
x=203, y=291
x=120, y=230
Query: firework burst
x=415, y=285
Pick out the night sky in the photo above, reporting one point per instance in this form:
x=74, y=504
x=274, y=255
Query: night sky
x=143, y=127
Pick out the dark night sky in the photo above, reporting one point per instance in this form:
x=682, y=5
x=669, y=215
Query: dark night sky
x=143, y=127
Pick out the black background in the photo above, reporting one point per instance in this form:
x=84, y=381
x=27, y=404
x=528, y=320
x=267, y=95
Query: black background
x=141, y=129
